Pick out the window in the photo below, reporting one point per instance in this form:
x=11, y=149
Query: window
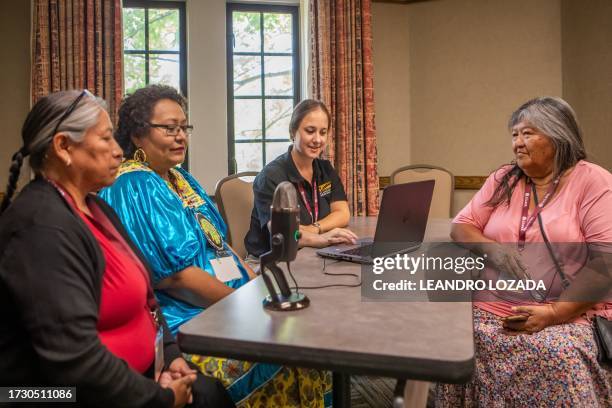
x=262, y=82
x=154, y=45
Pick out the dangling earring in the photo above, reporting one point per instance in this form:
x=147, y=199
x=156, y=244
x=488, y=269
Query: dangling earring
x=140, y=155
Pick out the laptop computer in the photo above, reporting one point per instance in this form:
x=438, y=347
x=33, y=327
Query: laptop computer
x=400, y=226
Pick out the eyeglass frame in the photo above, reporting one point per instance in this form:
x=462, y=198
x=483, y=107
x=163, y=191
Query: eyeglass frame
x=71, y=109
x=187, y=129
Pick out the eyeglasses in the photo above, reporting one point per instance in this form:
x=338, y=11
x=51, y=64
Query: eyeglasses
x=173, y=130
x=71, y=108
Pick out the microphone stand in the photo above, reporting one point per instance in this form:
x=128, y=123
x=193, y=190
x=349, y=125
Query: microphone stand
x=286, y=300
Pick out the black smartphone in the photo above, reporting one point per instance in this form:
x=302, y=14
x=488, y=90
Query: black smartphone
x=516, y=318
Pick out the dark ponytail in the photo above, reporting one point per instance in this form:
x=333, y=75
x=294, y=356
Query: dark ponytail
x=15, y=169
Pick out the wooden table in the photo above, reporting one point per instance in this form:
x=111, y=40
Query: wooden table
x=339, y=332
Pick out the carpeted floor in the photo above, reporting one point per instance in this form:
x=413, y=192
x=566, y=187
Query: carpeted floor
x=371, y=392
x=375, y=392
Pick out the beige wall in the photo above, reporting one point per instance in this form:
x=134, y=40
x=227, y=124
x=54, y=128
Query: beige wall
x=207, y=83
x=391, y=43
x=448, y=74
x=587, y=72
x=207, y=90
x=14, y=80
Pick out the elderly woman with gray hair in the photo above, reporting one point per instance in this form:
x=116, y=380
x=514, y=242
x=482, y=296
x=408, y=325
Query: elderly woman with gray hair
x=76, y=305
x=532, y=348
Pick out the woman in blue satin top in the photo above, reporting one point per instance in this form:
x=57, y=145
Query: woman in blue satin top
x=165, y=210
x=178, y=228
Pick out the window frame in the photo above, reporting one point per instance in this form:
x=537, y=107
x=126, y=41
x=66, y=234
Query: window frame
x=294, y=11
x=182, y=52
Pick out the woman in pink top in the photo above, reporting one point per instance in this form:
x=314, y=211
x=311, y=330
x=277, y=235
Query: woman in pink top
x=531, y=351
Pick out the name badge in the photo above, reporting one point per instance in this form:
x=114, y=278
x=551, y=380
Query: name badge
x=159, y=353
x=225, y=268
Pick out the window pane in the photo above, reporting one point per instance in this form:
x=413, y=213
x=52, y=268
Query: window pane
x=278, y=75
x=133, y=72
x=275, y=149
x=247, y=119
x=247, y=75
x=248, y=156
x=246, y=29
x=164, y=29
x=164, y=69
x=277, y=32
x=278, y=114
x=133, y=29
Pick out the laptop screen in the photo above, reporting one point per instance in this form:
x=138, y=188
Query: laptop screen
x=403, y=215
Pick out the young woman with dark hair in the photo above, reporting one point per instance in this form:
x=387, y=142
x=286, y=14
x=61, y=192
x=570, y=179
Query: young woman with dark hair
x=324, y=210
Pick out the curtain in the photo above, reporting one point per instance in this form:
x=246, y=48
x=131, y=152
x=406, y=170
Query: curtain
x=342, y=76
x=78, y=44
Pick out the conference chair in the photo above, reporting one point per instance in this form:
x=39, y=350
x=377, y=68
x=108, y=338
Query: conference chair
x=234, y=198
x=411, y=393
x=442, y=199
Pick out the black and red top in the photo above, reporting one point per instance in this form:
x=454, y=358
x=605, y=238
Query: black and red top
x=125, y=324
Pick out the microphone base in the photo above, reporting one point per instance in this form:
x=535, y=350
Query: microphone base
x=295, y=301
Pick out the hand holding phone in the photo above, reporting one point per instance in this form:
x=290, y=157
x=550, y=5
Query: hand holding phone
x=515, y=323
x=516, y=318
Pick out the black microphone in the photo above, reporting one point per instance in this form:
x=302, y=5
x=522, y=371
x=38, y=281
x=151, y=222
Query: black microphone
x=284, y=237
x=285, y=220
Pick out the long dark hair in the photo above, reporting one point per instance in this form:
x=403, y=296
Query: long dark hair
x=304, y=108
x=38, y=131
x=556, y=119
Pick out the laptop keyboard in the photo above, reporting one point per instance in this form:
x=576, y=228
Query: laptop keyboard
x=365, y=250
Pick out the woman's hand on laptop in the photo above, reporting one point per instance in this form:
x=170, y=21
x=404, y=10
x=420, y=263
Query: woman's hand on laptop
x=332, y=237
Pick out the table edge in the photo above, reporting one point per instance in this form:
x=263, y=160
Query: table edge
x=346, y=362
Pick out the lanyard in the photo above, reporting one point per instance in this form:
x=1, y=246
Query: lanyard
x=315, y=199
x=527, y=221
x=67, y=197
x=151, y=301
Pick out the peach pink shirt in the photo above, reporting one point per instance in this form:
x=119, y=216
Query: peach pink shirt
x=580, y=211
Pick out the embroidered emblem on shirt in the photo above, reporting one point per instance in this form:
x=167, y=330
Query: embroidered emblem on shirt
x=325, y=188
x=213, y=236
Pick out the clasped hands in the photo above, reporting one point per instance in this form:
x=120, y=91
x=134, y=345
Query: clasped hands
x=179, y=377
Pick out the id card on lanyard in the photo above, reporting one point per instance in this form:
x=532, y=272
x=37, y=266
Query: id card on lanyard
x=159, y=353
x=224, y=266
x=528, y=220
x=314, y=215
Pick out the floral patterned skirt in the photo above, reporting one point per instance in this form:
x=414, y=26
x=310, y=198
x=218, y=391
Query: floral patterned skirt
x=257, y=385
x=556, y=367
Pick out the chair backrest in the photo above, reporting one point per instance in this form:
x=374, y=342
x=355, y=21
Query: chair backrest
x=441, y=202
x=234, y=198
